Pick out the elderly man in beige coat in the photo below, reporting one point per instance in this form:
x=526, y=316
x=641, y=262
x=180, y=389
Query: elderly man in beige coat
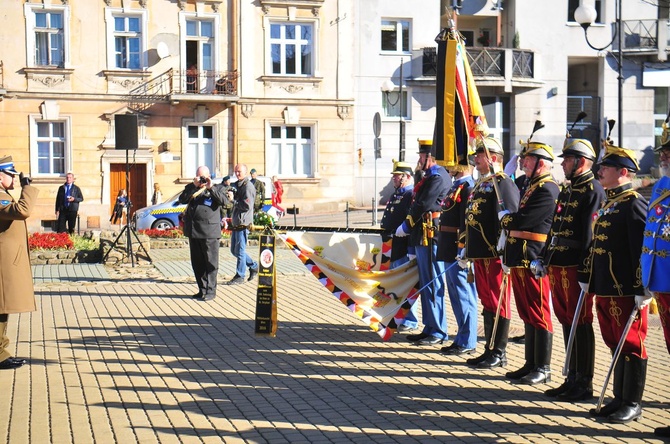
x=16, y=279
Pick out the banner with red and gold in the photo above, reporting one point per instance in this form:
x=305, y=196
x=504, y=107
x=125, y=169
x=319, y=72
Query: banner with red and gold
x=349, y=265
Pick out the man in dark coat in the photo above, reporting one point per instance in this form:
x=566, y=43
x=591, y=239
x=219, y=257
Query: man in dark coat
x=67, y=204
x=394, y=214
x=614, y=275
x=16, y=279
x=526, y=233
x=420, y=225
x=563, y=258
x=202, y=226
x=481, y=239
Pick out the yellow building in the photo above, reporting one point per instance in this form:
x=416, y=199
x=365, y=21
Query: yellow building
x=211, y=82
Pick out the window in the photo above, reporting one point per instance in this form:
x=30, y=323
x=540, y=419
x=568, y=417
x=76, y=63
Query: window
x=291, y=152
x=391, y=104
x=126, y=40
x=200, y=44
x=199, y=148
x=127, y=43
x=49, y=39
x=50, y=147
x=574, y=4
x=395, y=35
x=292, y=49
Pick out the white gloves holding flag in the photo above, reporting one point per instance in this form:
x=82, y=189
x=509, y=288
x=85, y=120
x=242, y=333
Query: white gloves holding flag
x=402, y=230
x=462, y=261
x=584, y=286
x=505, y=268
x=502, y=214
x=501, y=241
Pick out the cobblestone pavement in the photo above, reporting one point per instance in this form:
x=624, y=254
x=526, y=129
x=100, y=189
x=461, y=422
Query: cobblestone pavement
x=130, y=357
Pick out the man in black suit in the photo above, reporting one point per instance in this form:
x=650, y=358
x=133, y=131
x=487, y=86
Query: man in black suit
x=67, y=204
x=202, y=226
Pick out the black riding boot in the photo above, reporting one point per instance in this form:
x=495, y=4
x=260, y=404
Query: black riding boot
x=498, y=357
x=634, y=376
x=488, y=329
x=585, y=346
x=529, y=355
x=569, y=381
x=542, y=371
x=617, y=390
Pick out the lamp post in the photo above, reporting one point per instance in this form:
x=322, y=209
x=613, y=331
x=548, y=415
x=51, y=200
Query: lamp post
x=585, y=16
x=387, y=87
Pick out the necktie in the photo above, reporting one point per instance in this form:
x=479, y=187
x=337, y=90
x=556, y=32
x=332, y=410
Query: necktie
x=67, y=196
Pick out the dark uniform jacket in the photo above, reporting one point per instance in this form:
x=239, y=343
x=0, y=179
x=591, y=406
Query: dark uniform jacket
x=428, y=196
x=527, y=228
x=614, y=261
x=202, y=217
x=570, y=233
x=394, y=215
x=481, y=215
x=451, y=231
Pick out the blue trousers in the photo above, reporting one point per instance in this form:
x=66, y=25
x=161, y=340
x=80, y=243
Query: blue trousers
x=410, y=320
x=238, y=246
x=463, y=299
x=432, y=297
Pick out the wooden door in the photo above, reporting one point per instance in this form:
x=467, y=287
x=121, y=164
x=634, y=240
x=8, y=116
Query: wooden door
x=137, y=191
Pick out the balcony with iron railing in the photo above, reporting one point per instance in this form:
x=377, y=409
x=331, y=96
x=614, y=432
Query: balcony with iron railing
x=491, y=66
x=184, y=86
x=643, y=37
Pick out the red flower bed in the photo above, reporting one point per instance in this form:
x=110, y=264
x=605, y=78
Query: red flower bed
x=50, y=241
x=172, y=233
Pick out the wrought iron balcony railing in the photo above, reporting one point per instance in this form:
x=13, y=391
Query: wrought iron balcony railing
x=486, y=62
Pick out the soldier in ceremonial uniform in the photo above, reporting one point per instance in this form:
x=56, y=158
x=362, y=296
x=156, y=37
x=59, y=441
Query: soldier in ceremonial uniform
x=526, y=232
x=420, y=224
x=394, y=215
x=563, y=261
x=655, y=260
x=482, y=230
x=451, y=239
x=614, y=275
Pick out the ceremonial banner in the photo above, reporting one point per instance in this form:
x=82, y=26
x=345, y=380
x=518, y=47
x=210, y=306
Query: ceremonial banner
x=348, y=264
x=459, y=113
x=266, y=294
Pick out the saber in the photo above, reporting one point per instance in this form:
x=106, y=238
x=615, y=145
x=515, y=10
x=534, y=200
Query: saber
x=615, y=356
x=503, y=287
x=573, y=330
x=329, y=229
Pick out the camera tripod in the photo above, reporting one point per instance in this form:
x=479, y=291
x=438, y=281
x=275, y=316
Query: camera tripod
x=127, y=229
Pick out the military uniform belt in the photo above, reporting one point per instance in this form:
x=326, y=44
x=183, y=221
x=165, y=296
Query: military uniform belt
x=527, y=235
x=448, y=229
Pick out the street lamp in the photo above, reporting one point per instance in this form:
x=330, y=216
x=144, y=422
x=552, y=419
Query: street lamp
x=585, y=16
x=387, y=87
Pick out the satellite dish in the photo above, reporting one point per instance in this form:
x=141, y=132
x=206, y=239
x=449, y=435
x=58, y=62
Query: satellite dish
x=162, y=50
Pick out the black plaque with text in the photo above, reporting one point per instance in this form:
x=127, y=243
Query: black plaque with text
x=266, y=294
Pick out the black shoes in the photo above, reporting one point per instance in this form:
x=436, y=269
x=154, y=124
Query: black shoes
x=198, y=295
x=418, y=337
x=11, y=363
x=208, y=298
x=429, y=340
x=538, y=375
x=456, y=350
x=236, y=280
x=252, y=274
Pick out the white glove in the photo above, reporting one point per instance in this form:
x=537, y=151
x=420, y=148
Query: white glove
x=505, y=268
x=400, y=231
x=502, y=241
x=411, y=256
x=584, y=286
x=511, y=166
x=462, y=262
x=642, y=301
x=502, y=214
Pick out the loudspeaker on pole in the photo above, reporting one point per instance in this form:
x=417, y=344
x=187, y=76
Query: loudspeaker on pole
x=125, y=131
